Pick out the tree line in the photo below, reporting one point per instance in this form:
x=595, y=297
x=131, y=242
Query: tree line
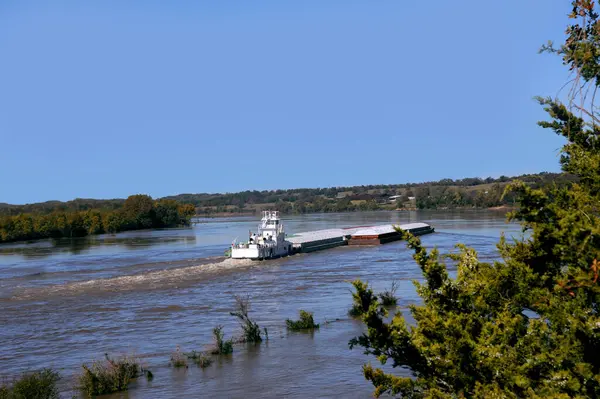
x=443, y=194
x=136, y=212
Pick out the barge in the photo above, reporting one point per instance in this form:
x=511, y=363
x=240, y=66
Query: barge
x=271, y=241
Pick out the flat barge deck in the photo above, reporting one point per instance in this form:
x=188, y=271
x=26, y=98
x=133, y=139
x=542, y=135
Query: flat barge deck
x=311, y=241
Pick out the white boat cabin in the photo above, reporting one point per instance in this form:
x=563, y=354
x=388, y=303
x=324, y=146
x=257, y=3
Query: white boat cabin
x=267, y=243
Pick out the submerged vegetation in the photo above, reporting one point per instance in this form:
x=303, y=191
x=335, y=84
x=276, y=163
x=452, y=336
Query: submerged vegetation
x=136, y=212
x=361, y=298
x=38, y=385
x=178, y=359
x=250, y=330
x=201, y=359
x=306, y=322
x=222, y=346
x=388, y=297
x=109, y=375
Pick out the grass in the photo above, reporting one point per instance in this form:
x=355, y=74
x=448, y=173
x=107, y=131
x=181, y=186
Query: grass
x=38, y=385
x=201, y=359
x=222, y=347
x=109, y=376
x=306, y=322
x=178, y=359
x=250, y=330
x=388, y=297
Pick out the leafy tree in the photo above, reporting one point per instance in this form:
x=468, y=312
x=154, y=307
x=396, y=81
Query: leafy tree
x=186, y=211
x=92, y=221
x=166, y=213
x=138, y=210
x=529, y=325
x=113, y=222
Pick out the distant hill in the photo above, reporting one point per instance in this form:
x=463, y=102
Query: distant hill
x=78, y=204
x=445, y=193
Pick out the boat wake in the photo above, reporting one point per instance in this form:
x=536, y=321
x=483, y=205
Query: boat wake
x=156, y=279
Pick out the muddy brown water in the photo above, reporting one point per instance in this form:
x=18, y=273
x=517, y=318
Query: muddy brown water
x=64, y=303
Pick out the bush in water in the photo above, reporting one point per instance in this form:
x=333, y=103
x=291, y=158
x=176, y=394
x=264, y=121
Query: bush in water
x=201, y=359
x=222, y=347
x=361, y=298
x=38, y=385
x=388, y=297
x=109, y=376
x=306, y=322
x=178, y=359
x=251, y=330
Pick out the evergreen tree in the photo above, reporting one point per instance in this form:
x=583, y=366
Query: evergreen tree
x=528, y=325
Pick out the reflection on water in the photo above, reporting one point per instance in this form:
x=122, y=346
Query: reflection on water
x=148, y=291
x=78, y=245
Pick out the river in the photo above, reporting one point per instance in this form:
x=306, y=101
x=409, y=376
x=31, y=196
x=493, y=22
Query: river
x=67, y=302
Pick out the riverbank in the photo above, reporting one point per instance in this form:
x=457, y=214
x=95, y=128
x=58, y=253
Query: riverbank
x=138, y=212
x=501, y=208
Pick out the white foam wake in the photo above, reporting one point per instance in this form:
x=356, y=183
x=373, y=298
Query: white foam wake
x=156, y=279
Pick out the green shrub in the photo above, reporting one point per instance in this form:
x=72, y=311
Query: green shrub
x=362, y=298
x=388, y=297
x=109, y=376
x=178, y=359
x=201, y=359
x=306, y=322
x=222, y=347
x=38, y=385
x=355, y=311
x=250, y=329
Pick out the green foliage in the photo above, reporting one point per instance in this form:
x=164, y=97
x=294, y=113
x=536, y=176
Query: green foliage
x=178, y=359
x=109, y=376
x=38, y=385
x=201, y=359
x=137, y=212
x=362, y=297
x=306, y=322
x=222, y=347
x=528, y=325
x=45, y=208
x=250, y=330
x=388, y=297
x=354, y=311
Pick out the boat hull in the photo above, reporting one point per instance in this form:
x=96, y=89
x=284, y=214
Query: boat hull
x=260, y=252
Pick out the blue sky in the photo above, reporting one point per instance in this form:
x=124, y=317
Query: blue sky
x=107, y=99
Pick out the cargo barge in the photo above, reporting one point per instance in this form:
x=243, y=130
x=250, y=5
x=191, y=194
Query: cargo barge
x=272, y=242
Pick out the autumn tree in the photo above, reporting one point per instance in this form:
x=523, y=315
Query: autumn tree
x=138, y=210
x=528, y=325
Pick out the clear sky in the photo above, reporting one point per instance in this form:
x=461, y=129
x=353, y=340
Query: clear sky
x=109, y=98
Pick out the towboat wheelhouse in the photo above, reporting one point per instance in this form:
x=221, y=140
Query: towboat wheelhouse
x=269, y=241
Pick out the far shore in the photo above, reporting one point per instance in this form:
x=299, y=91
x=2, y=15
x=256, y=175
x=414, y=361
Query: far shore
x=504, y=208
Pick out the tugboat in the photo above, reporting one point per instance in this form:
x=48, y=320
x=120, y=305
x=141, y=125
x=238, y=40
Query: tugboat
x=269, y=243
